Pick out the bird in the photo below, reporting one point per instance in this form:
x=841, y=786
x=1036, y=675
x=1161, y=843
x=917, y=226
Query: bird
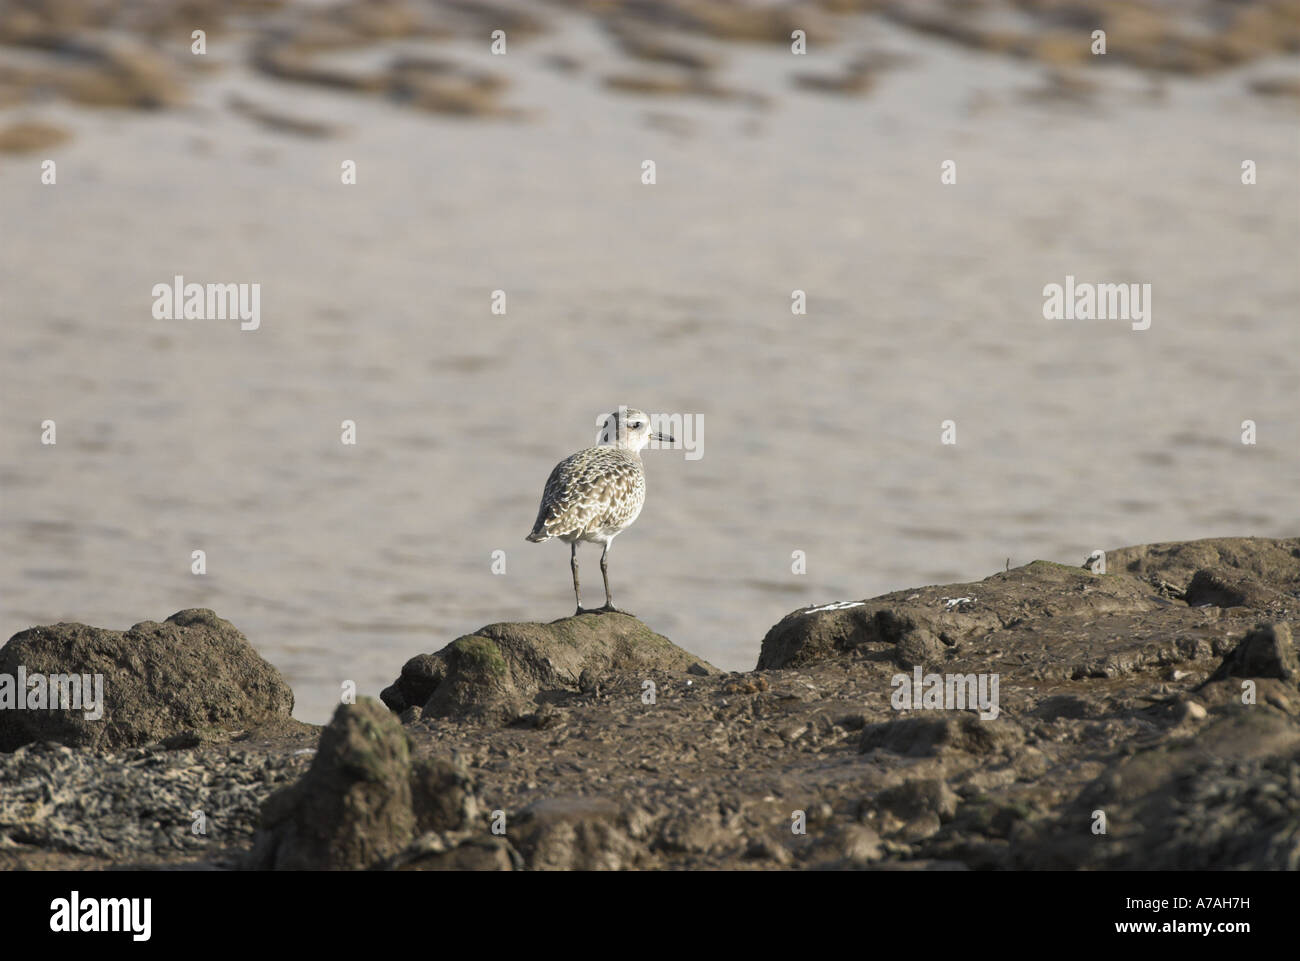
x=1095, y=562
x=596, y=494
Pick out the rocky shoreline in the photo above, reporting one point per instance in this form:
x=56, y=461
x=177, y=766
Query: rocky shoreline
x=1161, y=698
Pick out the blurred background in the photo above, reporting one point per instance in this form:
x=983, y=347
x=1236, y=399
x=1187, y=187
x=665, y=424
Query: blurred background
x=521, y=172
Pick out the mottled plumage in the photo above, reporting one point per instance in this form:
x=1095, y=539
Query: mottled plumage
x=596, y=493
x=591, y=495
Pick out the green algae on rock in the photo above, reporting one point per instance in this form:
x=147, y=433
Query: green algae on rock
x=498, y=671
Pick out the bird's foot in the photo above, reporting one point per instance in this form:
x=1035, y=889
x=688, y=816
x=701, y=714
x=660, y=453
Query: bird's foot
x=607, y=609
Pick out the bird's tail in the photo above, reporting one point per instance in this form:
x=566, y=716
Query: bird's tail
x=538, y=535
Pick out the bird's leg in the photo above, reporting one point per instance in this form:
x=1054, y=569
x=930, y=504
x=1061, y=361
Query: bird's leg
x=604, y=576
x=604, y=573
x=573, y=562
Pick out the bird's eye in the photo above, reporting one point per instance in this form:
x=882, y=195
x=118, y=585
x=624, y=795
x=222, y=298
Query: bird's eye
x=636, y=426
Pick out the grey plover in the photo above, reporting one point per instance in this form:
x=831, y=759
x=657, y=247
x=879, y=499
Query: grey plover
x=597, y=493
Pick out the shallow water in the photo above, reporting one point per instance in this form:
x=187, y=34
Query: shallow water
x=822, y=432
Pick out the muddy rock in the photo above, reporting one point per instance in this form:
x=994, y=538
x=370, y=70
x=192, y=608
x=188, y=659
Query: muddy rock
x=919, y=736
x=1096, y=612
x=442, y=796
x=577, y=833
x=1219, y=588
x=1267, y=651
x=695, y=834
x=1173, y=727
x=1272, y=561
x=420, y=677
x=911, y=626
x=365, y=803
x=920, y=796
x=192, y=673
x=844, y=847
x=505, y=671
x=353, y=808
x=437, y=851
x=1223, y=798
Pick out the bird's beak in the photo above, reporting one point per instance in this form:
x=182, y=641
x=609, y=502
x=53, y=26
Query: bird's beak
x=664, y=438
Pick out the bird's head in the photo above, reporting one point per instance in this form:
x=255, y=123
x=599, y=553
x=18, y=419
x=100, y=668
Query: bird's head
x=630, y=429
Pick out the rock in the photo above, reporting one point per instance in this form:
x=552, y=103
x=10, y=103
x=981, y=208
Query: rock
x=1222, y=799
x=924, y=825
x=919, y=627
x=851, y=722
x=497, y=672
x=1230, y=589
x=1266, y=651
x=456, y=852
x=764, y=849
x=478, y=684
x=846, y=846
x=806, y=636
x=353, y=808
x=546, y=716
x=1100, y=710
x=365, y=804
x=1274, y=562
x=182, y=741
x=859, y=843
x=576, y=833
x=918, y=647
x=792, y=732
x=920, y=736
x=745, y=684
x=693, y=833
x=420, y=677
x=443, y=797
x=1192, y=711
x=193, y=674
x=920, y=796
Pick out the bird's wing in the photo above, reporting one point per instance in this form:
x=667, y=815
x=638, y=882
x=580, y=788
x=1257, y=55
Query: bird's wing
x=585, y=491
